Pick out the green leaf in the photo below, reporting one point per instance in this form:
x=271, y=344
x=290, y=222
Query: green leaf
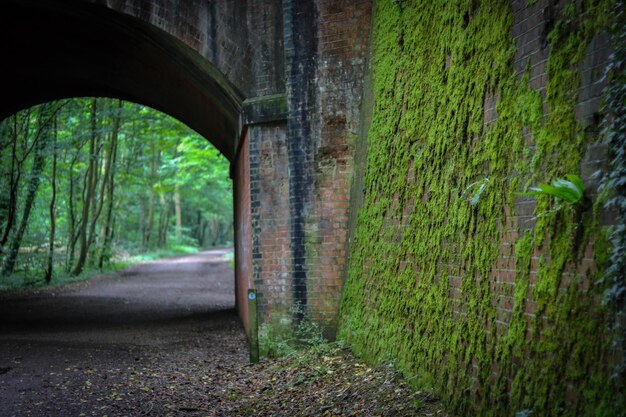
x=570, y=190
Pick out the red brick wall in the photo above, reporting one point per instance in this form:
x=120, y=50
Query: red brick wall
x=530, y=27
x=243, y=231
x=343, y=36
x=242, y=39
x=388, y=311
x=270, y=205
x=532, y=23
x=303, y=254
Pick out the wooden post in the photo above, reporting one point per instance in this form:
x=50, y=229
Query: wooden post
x=253, y=327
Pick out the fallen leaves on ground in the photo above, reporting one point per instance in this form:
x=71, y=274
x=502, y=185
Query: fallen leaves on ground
x=209, y=376
x=326, y=381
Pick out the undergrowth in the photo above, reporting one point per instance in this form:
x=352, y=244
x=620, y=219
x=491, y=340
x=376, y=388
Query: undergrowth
x=26, y=281
x=615, y=186
x=168, y=252
x=280, y=336
x=34, y=279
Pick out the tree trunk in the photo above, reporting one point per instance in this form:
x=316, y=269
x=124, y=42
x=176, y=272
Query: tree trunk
x=71, y=232
x=90, y=185
x=163, y=220
x=109, y=179
x=226, y=233
x=179, y=215
x=17, y=163
x=39, y=146
x=153, y=172
x=203, y=233
x=215, y=228
x=5, y=142
x=177, y=205
x=199, y=233
x=97, y=199
x=150, y=223
x=142, y=225
x=53, y=204
x=14, y=179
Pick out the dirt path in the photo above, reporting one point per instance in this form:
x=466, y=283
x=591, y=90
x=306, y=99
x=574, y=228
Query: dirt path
x=116, y=344
x=162, y=339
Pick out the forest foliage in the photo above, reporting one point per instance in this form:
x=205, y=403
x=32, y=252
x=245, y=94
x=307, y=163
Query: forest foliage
x=87, y=181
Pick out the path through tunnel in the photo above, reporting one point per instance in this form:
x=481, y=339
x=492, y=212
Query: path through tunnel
x=175, y=310
x=118, y=306
x=63, y=49
x=161, y=315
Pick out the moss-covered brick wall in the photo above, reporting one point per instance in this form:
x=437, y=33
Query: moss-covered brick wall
x=495, y=305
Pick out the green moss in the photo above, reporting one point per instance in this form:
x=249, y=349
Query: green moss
x=434, y=65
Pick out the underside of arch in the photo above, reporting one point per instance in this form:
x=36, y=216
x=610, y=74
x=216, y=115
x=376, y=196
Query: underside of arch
x=55, y=49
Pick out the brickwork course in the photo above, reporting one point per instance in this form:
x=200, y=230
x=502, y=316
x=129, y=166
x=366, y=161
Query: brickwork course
x=285, y=90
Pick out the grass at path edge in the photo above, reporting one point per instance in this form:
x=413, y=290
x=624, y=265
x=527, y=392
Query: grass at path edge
x=21, y=280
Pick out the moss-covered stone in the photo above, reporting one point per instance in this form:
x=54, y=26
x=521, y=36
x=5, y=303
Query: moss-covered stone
x=434, y=64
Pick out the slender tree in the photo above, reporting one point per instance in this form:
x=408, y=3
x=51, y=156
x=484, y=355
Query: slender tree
x=46, y=113
x=151, y=203
x=90, y=186
x=177, y=197
x=53, y=204
x=15, y=172
x=110, y=181
x=72, y=236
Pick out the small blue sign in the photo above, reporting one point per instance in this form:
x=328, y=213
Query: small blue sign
x=252, y=296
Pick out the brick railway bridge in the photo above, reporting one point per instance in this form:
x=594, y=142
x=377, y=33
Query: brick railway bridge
x=274, y=85
x=282, y=88
x=502, y=310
